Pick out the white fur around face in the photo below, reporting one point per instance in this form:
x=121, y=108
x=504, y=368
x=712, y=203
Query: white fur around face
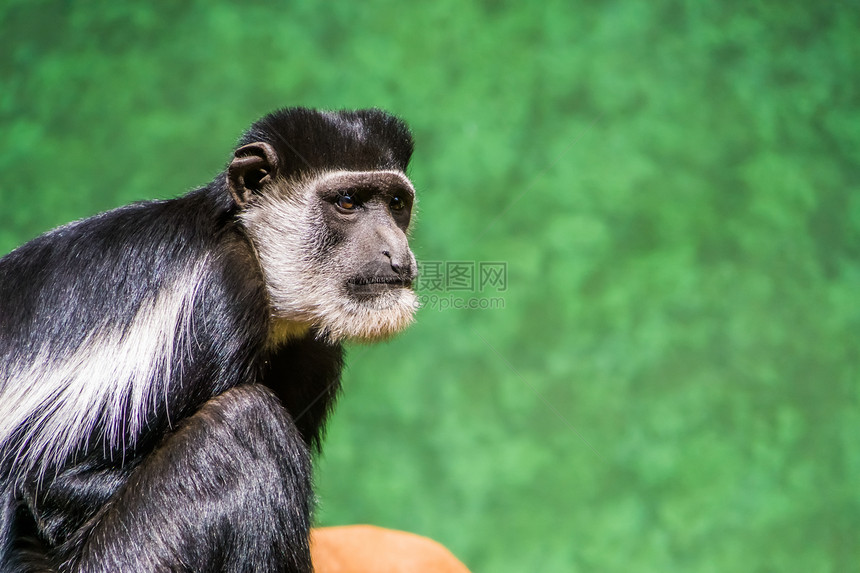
x=288, y=233
x=109, y=384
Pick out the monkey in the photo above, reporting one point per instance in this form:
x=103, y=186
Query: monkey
x=167, y=367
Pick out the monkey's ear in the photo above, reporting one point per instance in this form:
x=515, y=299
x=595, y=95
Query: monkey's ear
x=252, y=167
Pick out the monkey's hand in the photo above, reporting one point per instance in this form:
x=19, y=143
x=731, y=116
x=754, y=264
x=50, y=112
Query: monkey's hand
x=231, y=483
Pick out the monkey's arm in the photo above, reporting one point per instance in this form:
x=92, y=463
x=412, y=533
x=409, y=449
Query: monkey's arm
x=228, y=491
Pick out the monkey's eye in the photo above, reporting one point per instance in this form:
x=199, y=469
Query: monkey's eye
x=346, y=202
x=397, y=203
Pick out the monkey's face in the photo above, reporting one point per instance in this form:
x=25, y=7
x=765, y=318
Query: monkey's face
x=334, y=251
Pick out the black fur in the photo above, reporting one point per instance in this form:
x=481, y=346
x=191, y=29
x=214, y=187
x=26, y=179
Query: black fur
x=218, y=477
x=308, y=140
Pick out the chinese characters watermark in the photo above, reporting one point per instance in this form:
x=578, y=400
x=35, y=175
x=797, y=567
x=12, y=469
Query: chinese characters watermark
x=444, y=285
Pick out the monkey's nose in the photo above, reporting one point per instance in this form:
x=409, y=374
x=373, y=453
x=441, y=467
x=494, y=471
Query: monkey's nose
x=396, y=263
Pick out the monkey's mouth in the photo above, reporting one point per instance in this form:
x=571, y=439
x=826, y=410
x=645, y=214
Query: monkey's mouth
x=369, y=286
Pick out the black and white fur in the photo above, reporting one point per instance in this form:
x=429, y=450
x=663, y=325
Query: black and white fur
x=166, y=368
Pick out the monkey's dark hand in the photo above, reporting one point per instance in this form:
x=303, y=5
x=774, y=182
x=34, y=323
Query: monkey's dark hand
x=237, y=458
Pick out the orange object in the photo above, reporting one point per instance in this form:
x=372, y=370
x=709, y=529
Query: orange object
x=371, y=549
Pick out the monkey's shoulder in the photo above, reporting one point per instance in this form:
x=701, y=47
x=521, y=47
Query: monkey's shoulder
x=141, y=234
x=127, y=264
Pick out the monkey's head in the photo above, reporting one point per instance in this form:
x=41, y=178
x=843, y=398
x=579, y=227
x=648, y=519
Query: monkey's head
x=325, y=201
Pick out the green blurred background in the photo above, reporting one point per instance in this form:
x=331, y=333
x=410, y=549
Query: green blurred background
x=673, y=382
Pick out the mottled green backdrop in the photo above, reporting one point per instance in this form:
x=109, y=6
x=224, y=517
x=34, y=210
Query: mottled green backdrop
x=666, y=376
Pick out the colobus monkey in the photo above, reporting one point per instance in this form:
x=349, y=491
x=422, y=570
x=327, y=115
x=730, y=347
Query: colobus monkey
x=166, y=368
